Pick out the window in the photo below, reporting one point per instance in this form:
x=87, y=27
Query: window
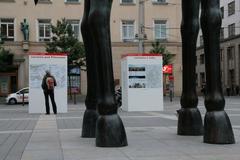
x=231, y=30
x=127, y=30
x=25, y=91
x=44, y=1
x=231, y=8
x=7, y=0
x=230, y=53
x=239, y=51
x=231, y=77
x=222, y=33
x=160, y=29
x=75, y=27
x=201, y=40
x=44, y=30
x=7, y=29
x=196, y=76
x=202, y=60
x=127, y=1
x=202, y=78
x=221, y=54
x=158, y=1
x=222, y=11
x=72, y=1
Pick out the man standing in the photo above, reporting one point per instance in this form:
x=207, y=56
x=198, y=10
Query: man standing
x=48, y=84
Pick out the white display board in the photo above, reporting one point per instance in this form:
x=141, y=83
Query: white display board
x=57, y=65
x=142, y=82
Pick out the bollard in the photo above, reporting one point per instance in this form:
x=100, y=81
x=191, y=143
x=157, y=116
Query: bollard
x=74, y=98
x=23, y=99
x=171, y=95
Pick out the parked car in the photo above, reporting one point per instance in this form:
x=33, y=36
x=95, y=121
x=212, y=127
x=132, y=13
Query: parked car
x=17, y=97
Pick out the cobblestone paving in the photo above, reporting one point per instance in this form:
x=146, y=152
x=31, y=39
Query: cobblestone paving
x=151, y=135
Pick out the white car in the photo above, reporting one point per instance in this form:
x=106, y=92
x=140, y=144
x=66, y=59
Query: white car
x=17, y=97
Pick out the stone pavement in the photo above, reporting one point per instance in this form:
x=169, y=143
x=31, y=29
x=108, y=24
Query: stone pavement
x=151, y=136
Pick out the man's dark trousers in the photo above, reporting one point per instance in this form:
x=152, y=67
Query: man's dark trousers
x=51, y=94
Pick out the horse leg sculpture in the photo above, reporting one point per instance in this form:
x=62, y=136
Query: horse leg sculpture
x=190, y=120
x=90, y=115
x=217, y=126
x=110, y=131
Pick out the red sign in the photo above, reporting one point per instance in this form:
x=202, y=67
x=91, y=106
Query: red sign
x=168, y=69
x=140, y=55
x=74, y=90
x=171, y=78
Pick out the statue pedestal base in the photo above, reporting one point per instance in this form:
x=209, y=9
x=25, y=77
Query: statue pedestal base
x=110, y=131
x=89, y=123
x=218, y=128
x=25, y=45
x=189, y=122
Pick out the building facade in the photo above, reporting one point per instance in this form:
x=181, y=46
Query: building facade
x=161, y=22
x=229, y=48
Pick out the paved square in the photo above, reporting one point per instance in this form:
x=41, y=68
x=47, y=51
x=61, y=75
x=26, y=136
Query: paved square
x=151, y=136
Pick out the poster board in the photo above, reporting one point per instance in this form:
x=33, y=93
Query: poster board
x=142, y=82
x=39, y=63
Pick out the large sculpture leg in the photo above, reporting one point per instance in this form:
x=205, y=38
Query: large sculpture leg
x=110, y=131
x=217, y=126
x=189, y=120
x=90, y=115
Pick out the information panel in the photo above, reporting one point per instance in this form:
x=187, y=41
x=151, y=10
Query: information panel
x=141, y=81
x=39, y=63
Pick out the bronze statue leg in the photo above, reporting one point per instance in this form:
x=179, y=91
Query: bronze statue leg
x=90, y=115
x=217, y=126
x=110, y=131
x=190, y=120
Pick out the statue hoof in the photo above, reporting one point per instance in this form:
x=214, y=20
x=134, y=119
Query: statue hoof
x=218, y=128
x=110, y=131
x=189, y=122
x=89, y=123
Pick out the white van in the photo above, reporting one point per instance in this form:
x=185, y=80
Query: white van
x=17, y=97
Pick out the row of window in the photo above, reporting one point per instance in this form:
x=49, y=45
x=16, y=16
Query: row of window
x=121, y=1
x=231, y=9
x=231, y=32
x=44, y=29
x=230, y=55
x=134, y=1
x=41, y=1
x=78, y=1
x=128, y=30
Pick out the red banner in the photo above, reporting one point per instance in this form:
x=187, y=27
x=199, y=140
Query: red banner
x=170, y=77
x=74, y=90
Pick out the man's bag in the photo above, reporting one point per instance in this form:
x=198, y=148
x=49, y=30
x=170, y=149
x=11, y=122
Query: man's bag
x=50, y=83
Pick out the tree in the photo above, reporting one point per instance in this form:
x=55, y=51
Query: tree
x=160, y=49
x=6, y=59
x=64, y=41
x=157, y=48
x=1, y=41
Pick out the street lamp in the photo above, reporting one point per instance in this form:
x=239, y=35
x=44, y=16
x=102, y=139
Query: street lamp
x=141, y=30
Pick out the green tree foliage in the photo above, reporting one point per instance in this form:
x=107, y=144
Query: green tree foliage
x=157, y=48
x=64, y=41
x=6, y=59
x=1, y=41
